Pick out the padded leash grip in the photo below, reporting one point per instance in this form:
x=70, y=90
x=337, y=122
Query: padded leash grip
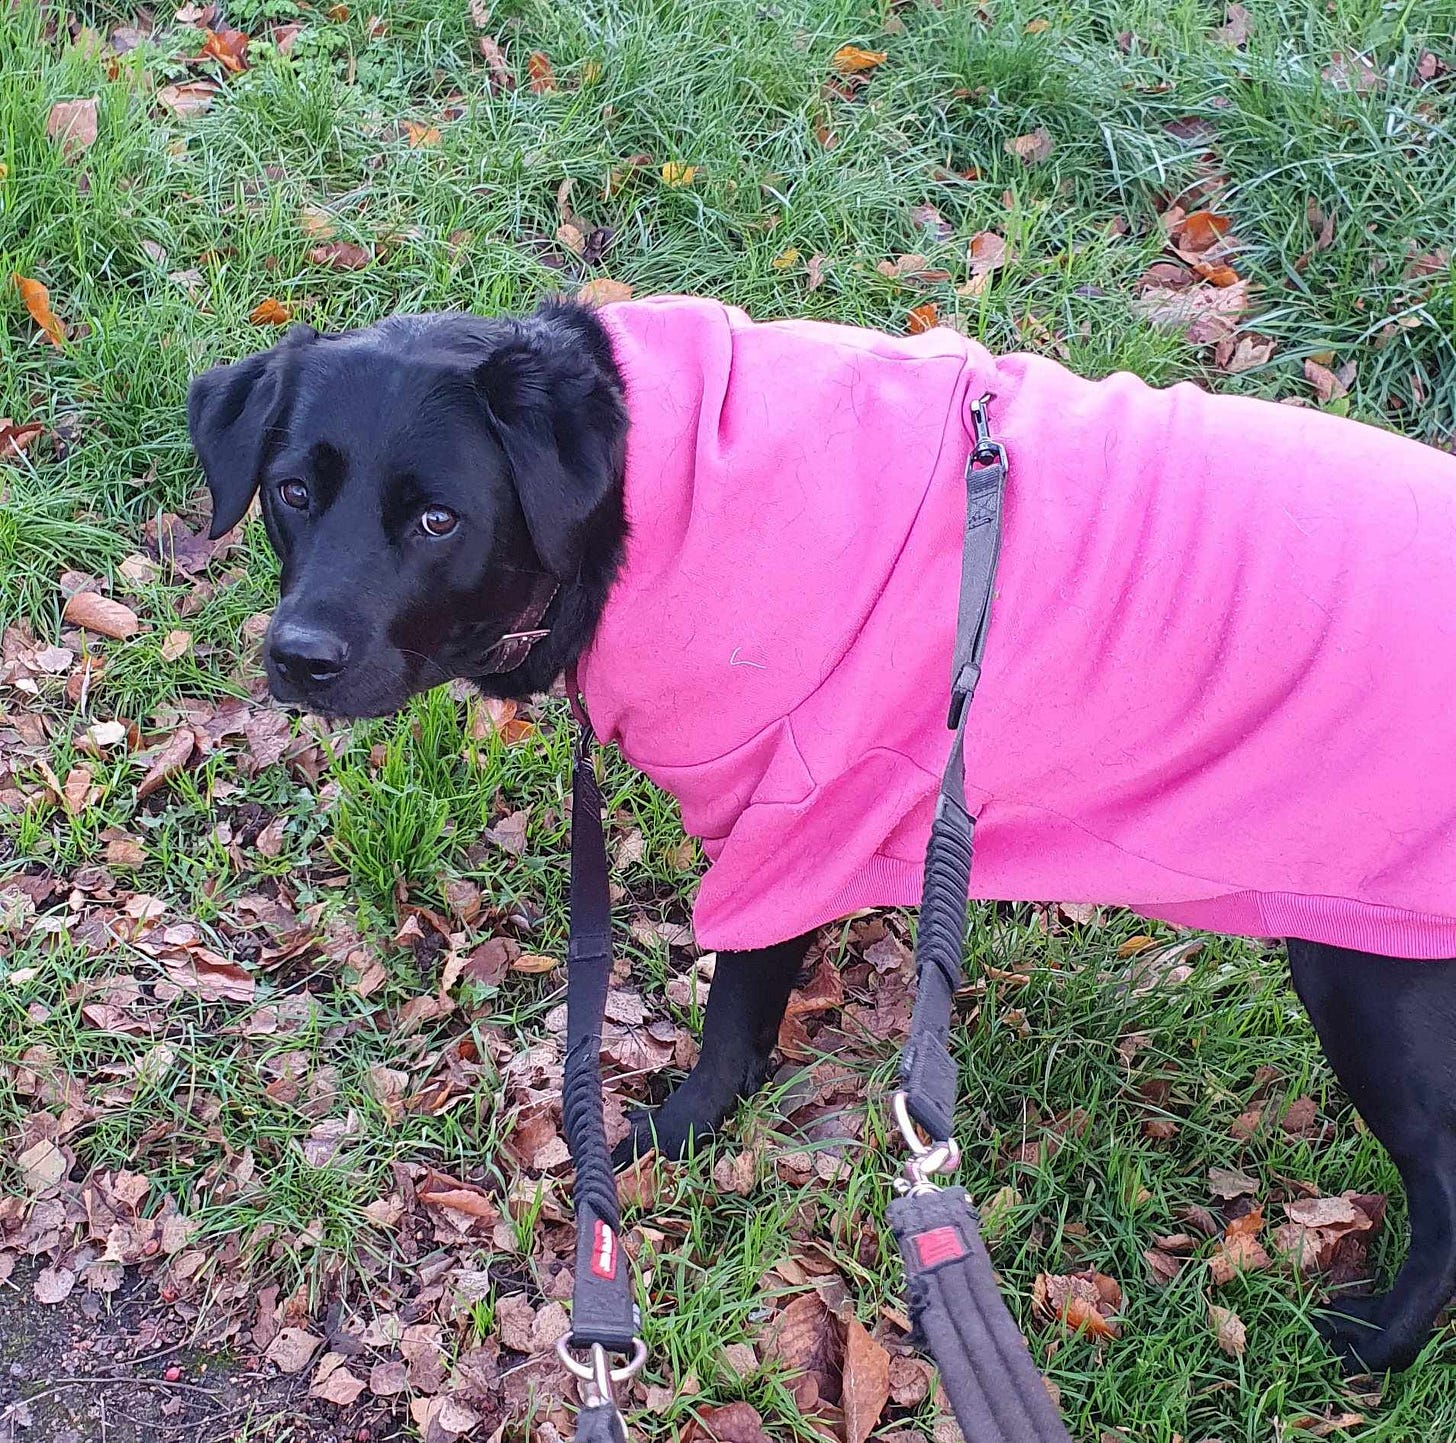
x=601, y=1424
x=996, y=1391
x=927, y=1070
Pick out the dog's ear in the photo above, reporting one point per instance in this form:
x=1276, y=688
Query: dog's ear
x=551, y=395
x=232, y=412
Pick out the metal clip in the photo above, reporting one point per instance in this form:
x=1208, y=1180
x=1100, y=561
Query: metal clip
x=597, y=1377
x=926, y=1159
x=984, y=450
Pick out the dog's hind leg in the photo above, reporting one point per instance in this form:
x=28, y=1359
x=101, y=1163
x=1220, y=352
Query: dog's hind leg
x=745, y=1006
x=1388, y=1028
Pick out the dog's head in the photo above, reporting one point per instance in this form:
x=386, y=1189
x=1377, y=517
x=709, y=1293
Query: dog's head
x=428, y=484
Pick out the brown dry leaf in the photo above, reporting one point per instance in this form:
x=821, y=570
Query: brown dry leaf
x=387, y=1379
x=176, y=645
x=334, y=1383
x=852, y=60
x=125, y=852
x=736, y=1173
x=676, y=174
x=814, y=270
x=1325, y=1212
x=167, y=762
x=922, y=318
x=1323, y=1427
x=1228, y=1328
x=42, y=1166
x=806, y=1339
x=72, y=125
x=420, y=134
x=603, y=291
x=316, y=223
x=1328, y=385
x=1037, y=27
x=495, y=59
x=228, y=46
x=1235, y=29
x=15, y=438
x=535, y=964
x=1082, y=1301
x=1350, y=72
x=539, y=72
x=79, y=791
x=191, y=97
x=986, y=252
x=342, y=255
x=210, y=975
x=1032, y=148
x=1228, y=1183
x=1163, y=1266
x=866, y=1382
x=270, y=312
x=38, y=302
x=732, y=1423
x=292, y=1349
x=53, y=1285
x=1199, y=231
x=1240, y=1251
x=102, y=615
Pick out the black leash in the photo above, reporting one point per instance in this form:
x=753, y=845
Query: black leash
x=994, y=1387
x=603, y=1316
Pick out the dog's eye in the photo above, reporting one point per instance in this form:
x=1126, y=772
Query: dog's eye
x=438, y=521
x=294, y=494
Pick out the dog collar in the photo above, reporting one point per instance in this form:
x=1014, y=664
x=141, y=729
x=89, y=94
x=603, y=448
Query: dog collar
x=510, y=650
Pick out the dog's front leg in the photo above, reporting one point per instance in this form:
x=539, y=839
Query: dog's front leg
x=745, y=1006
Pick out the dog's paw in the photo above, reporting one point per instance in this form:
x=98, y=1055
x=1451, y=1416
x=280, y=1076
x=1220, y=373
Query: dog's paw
x=668, y=1132
x=1353, y=1328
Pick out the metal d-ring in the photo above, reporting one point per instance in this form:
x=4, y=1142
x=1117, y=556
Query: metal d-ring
x=597, y=1375
x=926, y=1159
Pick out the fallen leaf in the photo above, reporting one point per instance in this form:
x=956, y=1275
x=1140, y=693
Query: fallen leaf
x=1163, y=1266
x=1037, y=27
x=1327, y=385
x=866, y=1382
x=189, y=98
x=922, y=318
x=603, y=291
x=421, y=135
x=539, y=72
x=72, y=125
x=292, y=1349
x=732, y=1423
x=1032, y=148
x=1324, y=1212
x=211, y=976
x=341, y=256
x=785, y=258
x=986, y=252
x=1350, y=72
x=1228, y=1328
x=805, y=1338
x=15, y=438
x=53, y=1285
x=176, y=645
x=102, y=615
x=38, y=302
x=851, y=60
x=339, y=1386
x=1323, y=1427
x=677, y=175
x=167, y=762
x=387, y=1379
x=42, y=1166
x=228, y=46
x=79, y=791
x=1235, y=29
x=1082, y=1301
x=495, y=60
x=270, y=312
x=535, y=964
x=814, y=270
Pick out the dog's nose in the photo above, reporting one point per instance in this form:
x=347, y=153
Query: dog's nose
x=307, y=655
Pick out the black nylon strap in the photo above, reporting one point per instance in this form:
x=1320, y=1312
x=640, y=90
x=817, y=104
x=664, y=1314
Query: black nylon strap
x=927, y=1070
x=995, y=1389
x=602, y=1310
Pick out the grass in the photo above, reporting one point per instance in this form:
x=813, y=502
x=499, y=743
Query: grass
x=158, y=243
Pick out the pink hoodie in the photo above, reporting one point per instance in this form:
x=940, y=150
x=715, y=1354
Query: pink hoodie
x=1220, y=679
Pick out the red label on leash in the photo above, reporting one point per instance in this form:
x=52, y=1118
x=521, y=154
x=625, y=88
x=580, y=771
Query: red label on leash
x=939, y=1245
x=604, y=1251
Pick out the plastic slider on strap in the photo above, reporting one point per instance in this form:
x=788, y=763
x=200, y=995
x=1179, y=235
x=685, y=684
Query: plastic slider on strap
x=962, y=692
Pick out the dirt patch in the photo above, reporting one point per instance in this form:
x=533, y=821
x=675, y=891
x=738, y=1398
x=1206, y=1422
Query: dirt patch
x=119, y=1370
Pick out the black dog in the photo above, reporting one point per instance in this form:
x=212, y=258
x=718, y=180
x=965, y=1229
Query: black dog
x=437, y=486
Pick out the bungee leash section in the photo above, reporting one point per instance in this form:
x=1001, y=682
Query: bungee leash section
x=995, y=1389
